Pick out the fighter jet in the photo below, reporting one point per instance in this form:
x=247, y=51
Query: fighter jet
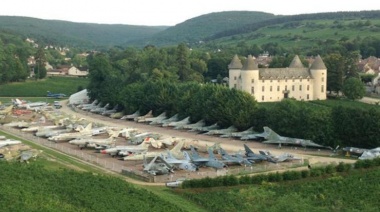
x=229, y=130
x=200, y=123
x=95, y=102
x=86, y=132
x=55, y=95
x=7, y=110
x=205, y=128
x=138, y=138
x=51, y=132
x=131, y=116
x=100, y=109
x=168, y=141
x=28, y=105
x=175, y=151
x=185, y=164
x=160, y=117
x=127, y=150
x=253, y=157
x=142, y=118
x=165, y=121
x=177, y=123
x=238, y=134
x=354, y=151
x=9, y=142
x=26, y=155
x=117, y=115
x=94, y=143
x=157, y=166
x=256, y=136
x=274, y=138
x=211, y=161
x=110, y=112
x=40, y=128
x=280, y=158
x=236, y=159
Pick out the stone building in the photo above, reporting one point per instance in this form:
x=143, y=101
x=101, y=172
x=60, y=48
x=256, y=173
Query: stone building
x=275, y=84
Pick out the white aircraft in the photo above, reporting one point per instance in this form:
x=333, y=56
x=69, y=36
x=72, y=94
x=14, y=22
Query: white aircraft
x=174, y=124
x=229, y=130
x=39, y=128
x=158, y=143
x=127, y=150
x=165, y=121
x=200, y=123
x=94, y=143
x=86, y=132
x=175, y=151
x=370, y=154
x=9, y=142
x=29, y=105
x=160, y=117
x=184, y=164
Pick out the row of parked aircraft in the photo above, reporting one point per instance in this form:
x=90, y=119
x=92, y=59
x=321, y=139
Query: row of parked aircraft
x=268, y=136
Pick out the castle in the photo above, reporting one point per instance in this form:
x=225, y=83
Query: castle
x=275, y=84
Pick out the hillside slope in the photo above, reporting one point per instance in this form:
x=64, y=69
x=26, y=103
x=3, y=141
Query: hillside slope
x=76, y=34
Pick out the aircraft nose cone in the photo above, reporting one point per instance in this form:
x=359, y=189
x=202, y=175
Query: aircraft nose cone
x=103, y=151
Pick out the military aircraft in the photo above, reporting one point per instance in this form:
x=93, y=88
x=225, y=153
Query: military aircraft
x=89, y=107
x=55, y=95
x=40, y=128
x=185, y=164
x=137, y=139
x=7, y=110
x=175, y=151
x=168, y=141
x=100, y=109
x=256, y=136
x=85, y=132
x=131, y=116
x=237, y=158
x=142, y=118
x=176, y=183
x=154, y=167
x=94, y=143
x=205, y=128
x=165, y=121
x=9, y=142
x=2, y=137
x=274, y=138
x=51, y=132
x=280, y=158
x=117, y=115
x=200, y=123
x=238, y=134
x=95, y=102
x=211, y=161
x=160, y=117
x=111, y=111
x=127, y=150
x=229, y=130
x=253, y=157
x=29, y=105
x=177, y=123
x=26, y=155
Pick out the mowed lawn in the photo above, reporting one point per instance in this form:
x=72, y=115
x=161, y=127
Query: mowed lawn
x=33, y=88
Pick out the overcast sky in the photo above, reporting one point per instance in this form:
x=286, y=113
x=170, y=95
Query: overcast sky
x=166, y=12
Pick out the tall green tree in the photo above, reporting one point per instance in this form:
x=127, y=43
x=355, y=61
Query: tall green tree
x=183, y=62
x=353, y=88
x=39, y=70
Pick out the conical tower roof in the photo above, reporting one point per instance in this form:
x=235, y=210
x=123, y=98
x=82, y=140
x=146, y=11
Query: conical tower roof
x=250, y=64
x=318, y=63
x=296, y=63
x=235, y=63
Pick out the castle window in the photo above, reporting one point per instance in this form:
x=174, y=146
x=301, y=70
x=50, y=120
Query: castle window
x=270, y=80
x=308, y=79
x=307, y=87
x=262, y=98
x=252, y=90
x=286, y=87
x=263, y=81
x=292, y=87
x=234, y=77
x=235, y=86
x=263, y=89
x=300, y=87
x=278, y=88
x=301, y=80
x=322, y=89
x=323, y=79
x=307, y=97
x=293, y=80
x=270, y=88
x=252, y=80
x=286, y=80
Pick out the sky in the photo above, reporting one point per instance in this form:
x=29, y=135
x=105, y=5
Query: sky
x=166, y=12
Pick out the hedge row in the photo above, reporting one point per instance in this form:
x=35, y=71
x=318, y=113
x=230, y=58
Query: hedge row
x=231, y=180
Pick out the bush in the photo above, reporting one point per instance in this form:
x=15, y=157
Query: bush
x=305, y=173
x=329, y=169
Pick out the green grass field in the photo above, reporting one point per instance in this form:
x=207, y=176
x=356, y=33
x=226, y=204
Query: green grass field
x=32, y=88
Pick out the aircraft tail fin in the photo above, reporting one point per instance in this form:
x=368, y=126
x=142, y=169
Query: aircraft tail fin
x=178, y=147
x=186, y=156
x=248, y=150
x=271, y=135
x=88, y=127
x=222, y=152
x=210, y=153
x=146, y=142
x=193, y=152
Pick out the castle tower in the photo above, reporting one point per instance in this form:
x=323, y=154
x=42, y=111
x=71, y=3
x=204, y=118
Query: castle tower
x=234, y=72
x=250, y=76
x=296, y=63
x=319, y=72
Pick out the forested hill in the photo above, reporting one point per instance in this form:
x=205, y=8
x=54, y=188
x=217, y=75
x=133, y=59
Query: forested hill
x=86, y=35
x=196, y=29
